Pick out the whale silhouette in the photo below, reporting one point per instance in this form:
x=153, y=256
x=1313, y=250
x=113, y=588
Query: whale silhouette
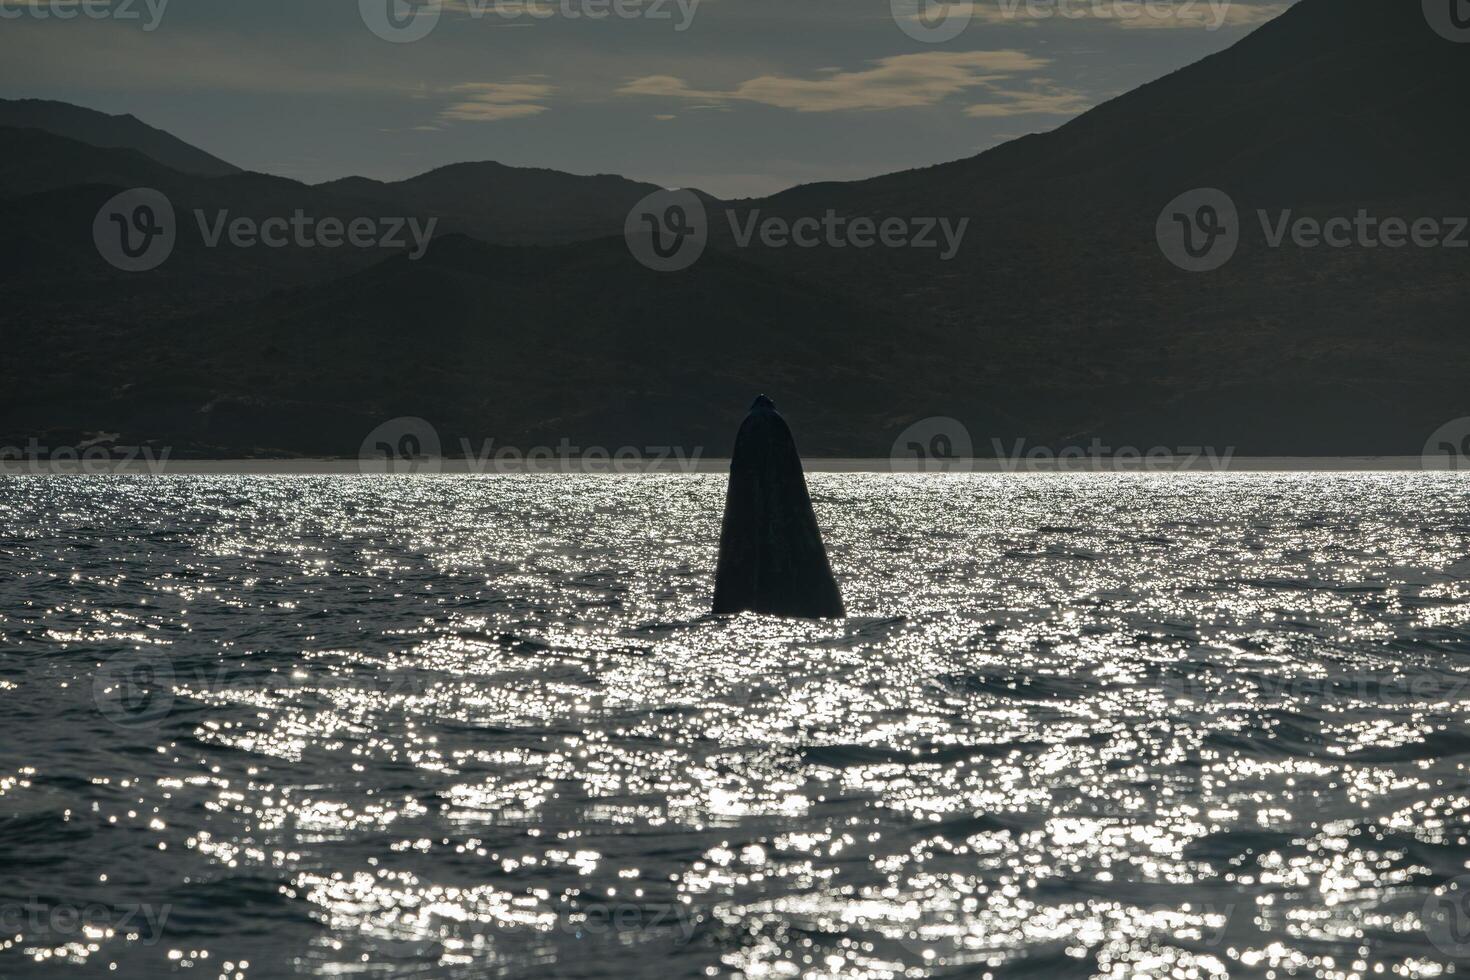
x=771, y=555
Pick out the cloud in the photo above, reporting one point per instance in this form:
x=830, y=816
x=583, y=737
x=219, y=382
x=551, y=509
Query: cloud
x=91, y=53
x=1235, y=15
x=494, y=101
x=1128, y=14
x=897, y=82
x=1050, y=102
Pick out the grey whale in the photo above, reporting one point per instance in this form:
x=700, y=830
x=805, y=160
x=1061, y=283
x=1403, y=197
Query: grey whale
x=772, y=559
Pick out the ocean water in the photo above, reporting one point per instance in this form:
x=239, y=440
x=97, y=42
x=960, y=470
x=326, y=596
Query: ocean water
x=1076, y=726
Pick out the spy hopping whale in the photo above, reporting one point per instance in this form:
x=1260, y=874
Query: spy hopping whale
x=771, y=555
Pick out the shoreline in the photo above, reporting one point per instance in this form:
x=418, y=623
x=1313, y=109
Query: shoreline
x=714, y=465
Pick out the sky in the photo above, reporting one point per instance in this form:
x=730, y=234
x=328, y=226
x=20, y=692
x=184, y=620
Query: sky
x=739, y=98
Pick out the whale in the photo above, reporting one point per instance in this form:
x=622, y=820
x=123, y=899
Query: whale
x=772, y=560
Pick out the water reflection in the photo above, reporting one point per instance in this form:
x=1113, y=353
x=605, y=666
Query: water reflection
x=1109, y=726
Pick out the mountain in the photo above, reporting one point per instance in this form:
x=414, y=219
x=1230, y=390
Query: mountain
x=493, y=202
x=34, y=161
x=508, y=205
x=1058, y=322
x=53, y=186
x=523, y=345
x=112, y=132
x=1062, y=306
x=1333, y=100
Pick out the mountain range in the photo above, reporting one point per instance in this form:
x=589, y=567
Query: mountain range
x=529, y=321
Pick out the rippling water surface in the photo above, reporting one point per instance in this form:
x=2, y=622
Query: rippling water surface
x=1076, y=726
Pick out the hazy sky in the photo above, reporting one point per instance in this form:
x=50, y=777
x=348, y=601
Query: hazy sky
x=738, y=97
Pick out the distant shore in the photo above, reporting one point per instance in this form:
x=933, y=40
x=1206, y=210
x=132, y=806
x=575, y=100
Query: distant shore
x=605, y=467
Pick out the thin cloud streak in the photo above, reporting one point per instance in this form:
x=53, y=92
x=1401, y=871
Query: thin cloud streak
x=494, y=101
x=897, y=82
x=1207, y=15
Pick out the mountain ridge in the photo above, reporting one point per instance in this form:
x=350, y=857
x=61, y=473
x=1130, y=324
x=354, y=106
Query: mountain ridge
x=1058, y=322
x=123, y=131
